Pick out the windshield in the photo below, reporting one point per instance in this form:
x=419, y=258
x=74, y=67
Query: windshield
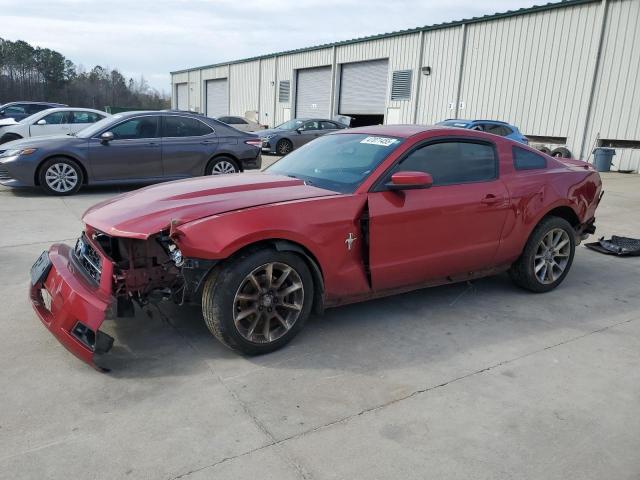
x=290, y=125
x=94, y=128
x=337, y=162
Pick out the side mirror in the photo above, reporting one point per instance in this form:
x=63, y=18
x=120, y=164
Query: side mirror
x=41, y=122
x=106, y=137
x=299, y=130
x=410, y=181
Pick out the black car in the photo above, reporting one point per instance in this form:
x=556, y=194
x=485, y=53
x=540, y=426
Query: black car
x=131, y=147
x=20, y=110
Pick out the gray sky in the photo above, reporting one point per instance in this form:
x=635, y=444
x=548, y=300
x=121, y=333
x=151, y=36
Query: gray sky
x=152, y=38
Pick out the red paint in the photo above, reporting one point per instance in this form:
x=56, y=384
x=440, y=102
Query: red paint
x=416, y=237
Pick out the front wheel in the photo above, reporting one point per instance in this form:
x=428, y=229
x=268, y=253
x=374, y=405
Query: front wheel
x=284, y=146
x=60, y=176
x=547, y=256
x=259, y=301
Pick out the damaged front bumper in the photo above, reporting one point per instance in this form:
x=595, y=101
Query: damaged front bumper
x=71, y=306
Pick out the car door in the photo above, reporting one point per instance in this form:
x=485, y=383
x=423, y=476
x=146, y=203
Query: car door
x=79, y=119
x=450, y=229
x=309, y=131
x=187, y=146
x=56, y=123
x=133, y=154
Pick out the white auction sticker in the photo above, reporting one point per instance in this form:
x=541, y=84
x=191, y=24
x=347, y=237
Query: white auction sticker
x=382, y=141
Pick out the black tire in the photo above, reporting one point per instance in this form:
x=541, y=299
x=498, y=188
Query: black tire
x=219, y=300
x=523, y=272
x=63, y=165
x=222, y=166
x=561, y=152
x=284, y=147
x=9, y=137
x=546, y=150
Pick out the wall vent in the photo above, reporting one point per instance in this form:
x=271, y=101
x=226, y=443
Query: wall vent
x=401, y=85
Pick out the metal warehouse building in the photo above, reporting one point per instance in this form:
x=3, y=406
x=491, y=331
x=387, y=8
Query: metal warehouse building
x=565, y=73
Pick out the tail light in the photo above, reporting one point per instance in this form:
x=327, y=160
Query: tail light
x=254, y=142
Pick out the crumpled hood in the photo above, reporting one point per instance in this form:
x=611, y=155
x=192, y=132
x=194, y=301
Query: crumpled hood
x=7, y=121
x=149, y=210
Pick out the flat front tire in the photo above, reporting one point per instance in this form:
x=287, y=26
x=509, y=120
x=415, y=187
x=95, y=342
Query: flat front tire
x=257, y=302
x=547, y=256
x=60, y=176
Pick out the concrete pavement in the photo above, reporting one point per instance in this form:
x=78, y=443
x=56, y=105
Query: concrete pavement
x=477, y=380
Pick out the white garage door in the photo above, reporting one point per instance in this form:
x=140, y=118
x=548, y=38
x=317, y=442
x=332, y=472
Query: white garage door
x=182, y=96
x=313, y=93
x=363, y=88
x=217, y=98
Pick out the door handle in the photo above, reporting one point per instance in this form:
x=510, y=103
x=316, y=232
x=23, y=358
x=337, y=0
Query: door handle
x=492, y=199
x=206, y=142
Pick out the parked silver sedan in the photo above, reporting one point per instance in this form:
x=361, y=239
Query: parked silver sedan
x=295, y=133
x=242, y=124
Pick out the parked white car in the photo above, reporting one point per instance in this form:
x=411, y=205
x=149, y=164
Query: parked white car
x=53, y=121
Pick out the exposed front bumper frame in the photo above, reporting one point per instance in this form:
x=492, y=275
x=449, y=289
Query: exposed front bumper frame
x=74, y=301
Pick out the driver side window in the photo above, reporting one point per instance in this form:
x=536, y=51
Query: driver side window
x=452, y=163
x=136, y=128
x=311, y=126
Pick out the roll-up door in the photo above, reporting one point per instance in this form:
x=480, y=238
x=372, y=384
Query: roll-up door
x=313, y=93
x=363, y=88
x=217, y=97
x=182, y=96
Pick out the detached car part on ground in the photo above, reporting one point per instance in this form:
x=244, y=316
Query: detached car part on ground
x=131, y=147
x=352, y=216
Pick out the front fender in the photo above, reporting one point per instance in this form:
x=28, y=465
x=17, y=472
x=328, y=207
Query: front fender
x=319, y=225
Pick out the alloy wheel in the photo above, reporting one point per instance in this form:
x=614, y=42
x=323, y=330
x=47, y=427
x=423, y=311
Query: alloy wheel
x=268, y=302
x=223, y=167
x=61, y=177
x=552, y=256
x=284, y=148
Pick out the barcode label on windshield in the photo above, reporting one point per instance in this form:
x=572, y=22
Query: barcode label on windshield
x=382, y=141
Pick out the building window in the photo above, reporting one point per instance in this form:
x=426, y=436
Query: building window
x=283, y=91
x=401, y=85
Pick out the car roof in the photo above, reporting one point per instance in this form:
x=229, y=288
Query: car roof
x=401, y=131
x=29, y=102
x=74, y=109
x=474, y=121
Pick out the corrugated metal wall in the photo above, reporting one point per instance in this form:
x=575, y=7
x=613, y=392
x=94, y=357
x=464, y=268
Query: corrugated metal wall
x=536, y=70
x=616, y=100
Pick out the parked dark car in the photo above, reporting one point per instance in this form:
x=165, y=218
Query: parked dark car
x=494, y=127
x=20, y=110
x=293, y=134
x=132, y=147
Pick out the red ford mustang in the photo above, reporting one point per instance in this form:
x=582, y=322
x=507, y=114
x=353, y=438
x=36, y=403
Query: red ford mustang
x=359, y=214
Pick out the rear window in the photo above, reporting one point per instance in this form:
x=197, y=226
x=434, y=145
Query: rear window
x=527, y=160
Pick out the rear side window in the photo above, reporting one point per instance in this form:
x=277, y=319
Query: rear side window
x=35, y=108
x=497, y=129
x=453, y=162
x=184, y=127
x=527, y=160
x=85, y=117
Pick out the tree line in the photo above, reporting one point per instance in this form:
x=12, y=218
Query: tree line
x=41, y=74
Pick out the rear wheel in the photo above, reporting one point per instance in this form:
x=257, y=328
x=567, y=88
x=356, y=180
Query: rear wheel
x=547, y=256
x=259, y=301
x=222, y=166
x=60, y=176
x=284, y=146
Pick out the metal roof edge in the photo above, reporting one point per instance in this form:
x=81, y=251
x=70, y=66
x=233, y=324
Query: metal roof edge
x=409, y=31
